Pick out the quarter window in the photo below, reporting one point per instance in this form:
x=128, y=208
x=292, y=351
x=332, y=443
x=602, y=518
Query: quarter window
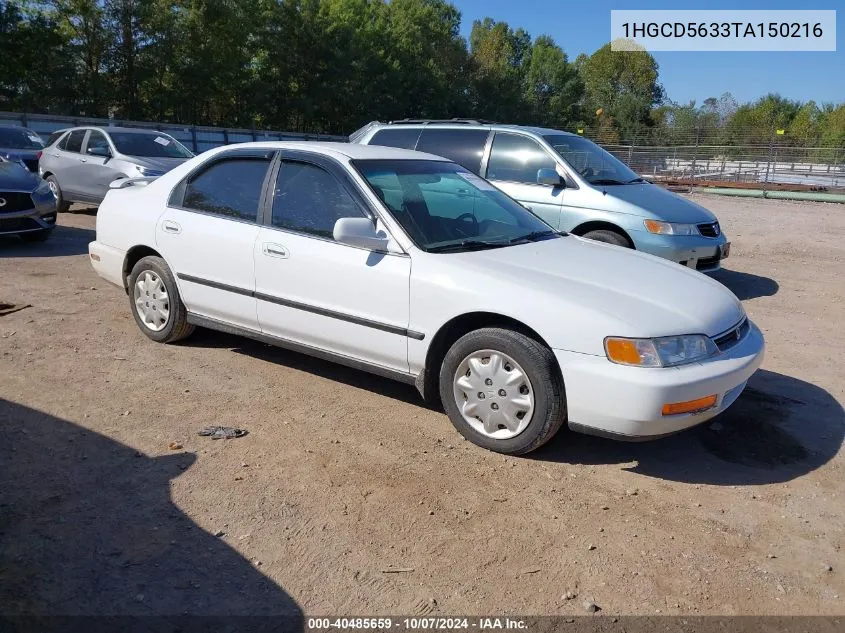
x=402, y=137
x=230, y=187
x=310, y=200
x=73, y=143
x=517, y=158
x=465, y=147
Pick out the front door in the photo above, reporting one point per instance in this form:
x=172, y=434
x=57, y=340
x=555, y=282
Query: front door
x=100, y=170
x=514, y=162
x=208, y=233
x=314, y=291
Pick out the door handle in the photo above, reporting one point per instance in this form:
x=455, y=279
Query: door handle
x=275, y=250
x=170, y=226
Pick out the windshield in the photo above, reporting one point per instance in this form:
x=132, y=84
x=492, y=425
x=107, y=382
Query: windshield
x=19, y=138
x=595, y=165
x=443, y=207
x=151, y=145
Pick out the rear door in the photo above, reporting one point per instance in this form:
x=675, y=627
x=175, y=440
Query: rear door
x=208, y=235
x=100, y=171
x=67, y=166
x=512, y=166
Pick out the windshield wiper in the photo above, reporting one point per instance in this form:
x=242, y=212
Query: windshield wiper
x=530, y=237
x=607, y=181
x=634, y=180
x=465, y=245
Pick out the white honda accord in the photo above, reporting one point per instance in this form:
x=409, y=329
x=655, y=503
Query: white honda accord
x=411, y=267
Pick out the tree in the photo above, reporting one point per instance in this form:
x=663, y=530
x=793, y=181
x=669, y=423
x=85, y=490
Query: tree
x=624, y=85
x=499, y=58
x=552, y=87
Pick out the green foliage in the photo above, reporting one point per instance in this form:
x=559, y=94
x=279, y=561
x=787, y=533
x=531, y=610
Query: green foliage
x=333, y=65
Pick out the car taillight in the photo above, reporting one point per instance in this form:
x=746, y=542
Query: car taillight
x=38, y=155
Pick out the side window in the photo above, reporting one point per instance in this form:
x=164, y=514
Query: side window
x=73, y=142
x=310, y=200
x=54, y=137
x=230, y=187
x=516, y=158
x=465, y=147
x=402, y=137
x=97, y=140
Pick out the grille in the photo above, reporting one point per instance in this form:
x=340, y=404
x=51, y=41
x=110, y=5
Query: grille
x=707, y=262
x=733, y=336
x=709, y=230
x=15, y=201
x=8, y=225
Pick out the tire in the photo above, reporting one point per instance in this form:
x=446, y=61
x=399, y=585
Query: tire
x=36, y=236
x=608, y=237
x=61, y=204
x=528, y=372
x=146, y=280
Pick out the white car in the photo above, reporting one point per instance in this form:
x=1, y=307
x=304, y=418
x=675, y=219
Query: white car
x=409, y=266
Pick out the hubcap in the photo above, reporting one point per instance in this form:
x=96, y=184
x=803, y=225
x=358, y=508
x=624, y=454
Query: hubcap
x=152, y=302
x=493, y=394
x=54, y=188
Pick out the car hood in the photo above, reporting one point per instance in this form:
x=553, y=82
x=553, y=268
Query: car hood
x=656, y=202
x=161, y=164
x=631, y=293
x=15, y=177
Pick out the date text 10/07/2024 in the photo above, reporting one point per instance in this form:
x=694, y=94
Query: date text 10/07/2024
x=417, y=624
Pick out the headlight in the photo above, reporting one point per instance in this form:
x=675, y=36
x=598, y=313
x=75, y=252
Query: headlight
x=670, y=228
x=147, y=172
x=666, y=351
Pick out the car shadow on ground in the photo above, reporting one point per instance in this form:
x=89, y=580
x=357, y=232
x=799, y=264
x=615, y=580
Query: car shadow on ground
x=779, y=429
x=64, y=241
x=746, y=285
x=87, y=527
x=302, y=362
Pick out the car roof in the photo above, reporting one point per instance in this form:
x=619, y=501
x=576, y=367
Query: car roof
x=458, y=124
x=351, y=151
x=113, y=128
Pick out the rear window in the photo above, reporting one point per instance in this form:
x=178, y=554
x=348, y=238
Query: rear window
x=401, y=137
x=464, y=147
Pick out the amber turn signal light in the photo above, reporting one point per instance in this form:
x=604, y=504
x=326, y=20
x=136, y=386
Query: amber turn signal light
x=690, y=406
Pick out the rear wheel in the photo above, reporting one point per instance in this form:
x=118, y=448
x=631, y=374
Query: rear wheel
x=502, y=390
x=61, y=205
x=608, y=237
x=155, y=302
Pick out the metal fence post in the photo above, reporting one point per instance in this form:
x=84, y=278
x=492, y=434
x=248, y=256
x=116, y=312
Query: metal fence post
x=769, y=160
x=694, y=159
x=194, y=138
x=24, y=121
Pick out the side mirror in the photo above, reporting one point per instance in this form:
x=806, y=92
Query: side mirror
x=99, y=151
x=549, y=177
x=359, y=232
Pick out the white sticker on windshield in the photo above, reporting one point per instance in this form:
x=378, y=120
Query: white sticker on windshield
x=34, y=139
x=161, y=140
x=476, y=181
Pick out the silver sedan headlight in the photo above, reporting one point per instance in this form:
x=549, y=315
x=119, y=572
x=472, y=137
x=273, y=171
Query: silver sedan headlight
x=666, y=351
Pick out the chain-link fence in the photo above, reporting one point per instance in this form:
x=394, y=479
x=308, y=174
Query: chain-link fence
x=726, y=157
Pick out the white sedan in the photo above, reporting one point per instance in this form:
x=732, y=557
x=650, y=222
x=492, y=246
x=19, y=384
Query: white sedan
x=411, y=267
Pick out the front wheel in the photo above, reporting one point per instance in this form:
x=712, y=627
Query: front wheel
x=502, y=390
x=155, y=302
x=608, y=237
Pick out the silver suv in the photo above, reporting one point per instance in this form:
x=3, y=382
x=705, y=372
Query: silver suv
x=570, y=182
x=80, y=163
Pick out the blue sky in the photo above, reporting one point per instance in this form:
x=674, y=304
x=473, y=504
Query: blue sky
x=583, y=26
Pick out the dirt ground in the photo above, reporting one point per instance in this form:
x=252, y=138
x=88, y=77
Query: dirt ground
x=349, y=496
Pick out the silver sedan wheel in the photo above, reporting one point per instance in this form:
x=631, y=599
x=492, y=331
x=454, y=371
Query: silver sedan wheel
x=54, y=189
x=493, y=394
x=152, y=303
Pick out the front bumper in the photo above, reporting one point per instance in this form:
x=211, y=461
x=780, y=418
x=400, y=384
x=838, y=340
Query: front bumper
x=609, y=399
x=696, y=251
x=40, y=217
